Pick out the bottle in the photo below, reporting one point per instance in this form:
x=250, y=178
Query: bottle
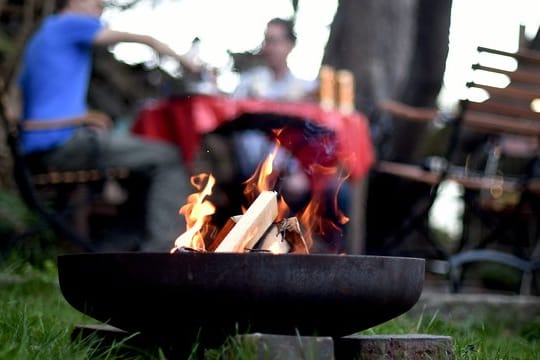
x=327, y=87
x=345, y=93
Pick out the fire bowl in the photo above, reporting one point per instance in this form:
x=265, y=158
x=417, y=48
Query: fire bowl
x=218, y=294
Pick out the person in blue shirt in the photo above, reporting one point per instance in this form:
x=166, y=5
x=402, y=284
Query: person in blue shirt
x=59, y=132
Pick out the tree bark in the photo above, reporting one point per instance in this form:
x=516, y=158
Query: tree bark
x=373, y=39
x=396, y=50
x=425, y=76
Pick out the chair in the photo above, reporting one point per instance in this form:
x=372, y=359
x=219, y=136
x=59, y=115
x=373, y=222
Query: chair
x=507, y=113
x=65, y=200
x=485, y=136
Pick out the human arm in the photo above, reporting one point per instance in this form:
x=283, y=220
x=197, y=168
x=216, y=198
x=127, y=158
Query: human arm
x=93, y=119
x=108, y=36
x=410, y=112
x=12, y=104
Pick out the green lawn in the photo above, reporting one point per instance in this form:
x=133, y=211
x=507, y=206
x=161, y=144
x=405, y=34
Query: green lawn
x=36, y=323
x=477, y=338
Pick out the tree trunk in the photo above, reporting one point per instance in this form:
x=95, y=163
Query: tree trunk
x=425, y=75
x=396, y=50
x=373, y=39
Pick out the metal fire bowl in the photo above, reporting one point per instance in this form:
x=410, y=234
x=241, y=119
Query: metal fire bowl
x=175, y=295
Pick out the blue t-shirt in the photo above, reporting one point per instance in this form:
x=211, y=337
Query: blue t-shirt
x=55, y=74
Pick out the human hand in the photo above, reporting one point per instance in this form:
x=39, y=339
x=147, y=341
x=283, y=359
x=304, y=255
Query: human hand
x=165, y=50
x=98, y=120
x=190, y=65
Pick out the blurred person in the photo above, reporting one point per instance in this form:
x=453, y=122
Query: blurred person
x=59, y=132
x=275, y=81
x=272, y=81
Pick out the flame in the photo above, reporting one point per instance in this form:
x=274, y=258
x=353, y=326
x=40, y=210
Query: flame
x=283, y=209
x=320, y=217
x=265, y=178
x=314, y=216
x=197, y=212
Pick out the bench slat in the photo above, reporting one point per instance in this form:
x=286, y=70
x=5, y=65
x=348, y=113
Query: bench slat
x=78, y=177
x=523, y=56
x=511, y=92
x=500, y=124
x=524, y=76
x=458, y=174
x=496, y=108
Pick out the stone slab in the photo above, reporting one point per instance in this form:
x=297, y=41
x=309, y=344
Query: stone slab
x=379, y=347
x=287, y=347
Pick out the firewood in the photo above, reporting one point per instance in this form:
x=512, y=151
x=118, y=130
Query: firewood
x=233, y=220
x=292, y=231
x=253, y=224
x=284, y=237
x=274, y=241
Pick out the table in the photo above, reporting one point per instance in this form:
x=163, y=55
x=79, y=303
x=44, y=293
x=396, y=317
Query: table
x=183, y=121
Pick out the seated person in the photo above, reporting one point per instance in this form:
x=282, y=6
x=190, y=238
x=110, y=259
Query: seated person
x=60, y=133
x=275, y=81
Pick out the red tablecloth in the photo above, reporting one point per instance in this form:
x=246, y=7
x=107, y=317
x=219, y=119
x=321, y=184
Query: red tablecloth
x=182, y=121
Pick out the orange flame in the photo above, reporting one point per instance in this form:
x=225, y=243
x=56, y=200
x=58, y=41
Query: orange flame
x=197, y=212
x=263, y=179
x=283, y=209
x=320, y=217
x=313, y=217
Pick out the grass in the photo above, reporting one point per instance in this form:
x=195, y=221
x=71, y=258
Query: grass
x=487, y=337
x=36, y=323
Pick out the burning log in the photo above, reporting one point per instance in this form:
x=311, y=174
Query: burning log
x=253, y=224
x=280, y=238
x=257, y=229
x=231, y=222
x=291, y=230
x=274, y=241
x=285, y=237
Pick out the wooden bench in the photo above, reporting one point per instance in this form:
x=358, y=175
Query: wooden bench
x=512, y=128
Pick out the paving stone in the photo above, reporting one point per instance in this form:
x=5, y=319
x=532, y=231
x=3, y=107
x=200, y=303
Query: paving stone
x=283, y=347
x=379, y=347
